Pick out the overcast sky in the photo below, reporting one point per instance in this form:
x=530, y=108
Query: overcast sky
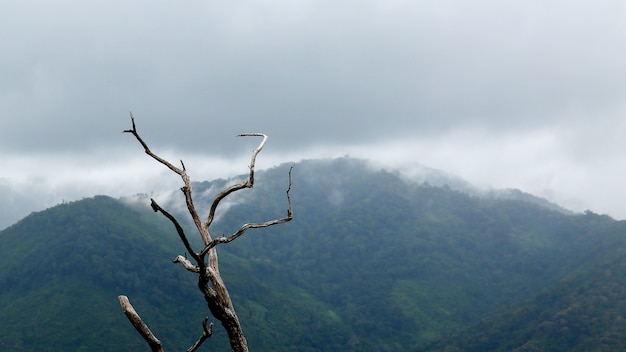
x=527, y=94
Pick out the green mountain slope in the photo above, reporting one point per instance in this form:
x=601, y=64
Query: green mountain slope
x=411, y=261
x=65, y=267
x=583, y=311
x=370, y=262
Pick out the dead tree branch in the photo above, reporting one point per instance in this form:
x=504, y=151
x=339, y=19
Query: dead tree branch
x=140, y=326
x=207, y=331
x=245, y=227
x=182, y=173
x=186, y=264
x=249, y=183
x=210, y=282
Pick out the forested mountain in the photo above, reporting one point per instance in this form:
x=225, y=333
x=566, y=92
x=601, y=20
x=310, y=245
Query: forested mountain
x=371, y=262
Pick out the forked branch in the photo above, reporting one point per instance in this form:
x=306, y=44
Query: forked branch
x=245, y=227
x=182, y=173
x=133, y=131
x=249, y=183
x=207, y=331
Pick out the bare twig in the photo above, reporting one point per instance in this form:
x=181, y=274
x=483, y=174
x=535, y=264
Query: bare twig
x=186, y=189
x=249, y=183
x=186, y=264
x=245, y=227
x=133, y=131
x=207, y=331
x=179, y=229
x=140, y=326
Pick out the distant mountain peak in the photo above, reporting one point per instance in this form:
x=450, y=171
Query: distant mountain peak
x=419, y=174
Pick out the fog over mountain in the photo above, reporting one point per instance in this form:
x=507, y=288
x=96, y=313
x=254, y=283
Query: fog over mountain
x=22, y=200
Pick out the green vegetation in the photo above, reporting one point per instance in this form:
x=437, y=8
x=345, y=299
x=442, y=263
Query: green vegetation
x=583, y=311
x=370, y=262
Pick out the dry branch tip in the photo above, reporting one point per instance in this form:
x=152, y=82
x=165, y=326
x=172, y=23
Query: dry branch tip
x=139, y=325
x=207, y=331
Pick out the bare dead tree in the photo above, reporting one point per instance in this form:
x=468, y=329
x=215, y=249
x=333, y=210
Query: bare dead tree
x=204, y=262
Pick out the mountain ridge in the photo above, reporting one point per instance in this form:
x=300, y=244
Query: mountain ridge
x=371, y=261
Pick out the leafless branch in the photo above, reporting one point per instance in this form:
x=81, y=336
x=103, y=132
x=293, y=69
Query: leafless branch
x=140, y=326
x=249, y=183
x=245, y=227
x=207, y=331
x=133, y=131
x=186, y=264
x=179, y=229
x=186, y=189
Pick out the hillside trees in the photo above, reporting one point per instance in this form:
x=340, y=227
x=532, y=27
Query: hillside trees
x=204, y=262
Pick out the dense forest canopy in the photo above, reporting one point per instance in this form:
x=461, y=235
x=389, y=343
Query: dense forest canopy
x=372, y=262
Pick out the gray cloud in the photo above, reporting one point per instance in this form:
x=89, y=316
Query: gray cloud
x=320, y=78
